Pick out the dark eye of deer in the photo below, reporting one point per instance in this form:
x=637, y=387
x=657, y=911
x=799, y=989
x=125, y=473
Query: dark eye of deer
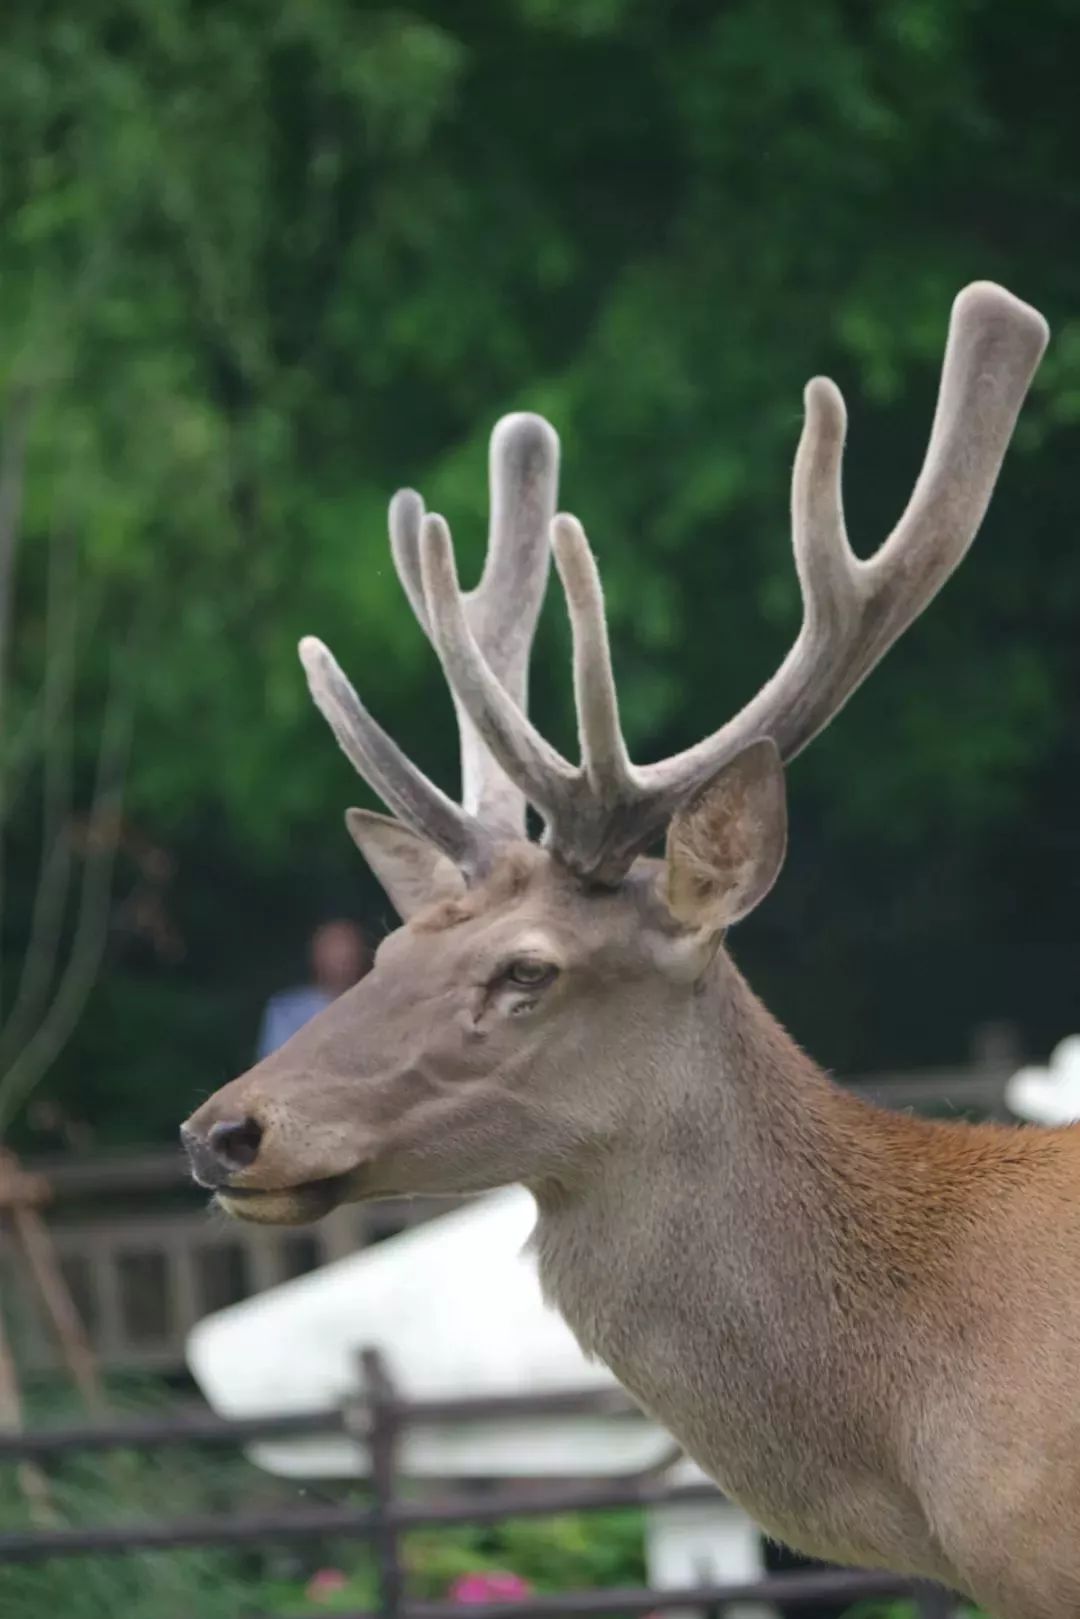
x=530, y=974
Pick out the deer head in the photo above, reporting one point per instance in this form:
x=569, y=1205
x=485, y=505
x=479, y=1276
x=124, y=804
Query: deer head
x=539, y=995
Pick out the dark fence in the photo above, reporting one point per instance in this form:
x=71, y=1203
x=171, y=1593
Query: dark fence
x=378, y=1416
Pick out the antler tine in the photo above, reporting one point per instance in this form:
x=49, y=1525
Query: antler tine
x=995, y=344
x=402, y=787
x=827, y=568
x=502, y=611
x=504, y=607
x=604, y=759
x=532, y=764
x=853, y=611
x=405, y=517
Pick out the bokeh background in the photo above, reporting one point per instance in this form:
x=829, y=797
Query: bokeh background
x=262, y=264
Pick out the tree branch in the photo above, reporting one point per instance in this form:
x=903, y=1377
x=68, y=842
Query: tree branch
x=91, y=929
x=47, y=921
x=12, y=474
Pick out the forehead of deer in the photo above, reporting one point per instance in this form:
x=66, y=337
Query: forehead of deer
x=526, y=875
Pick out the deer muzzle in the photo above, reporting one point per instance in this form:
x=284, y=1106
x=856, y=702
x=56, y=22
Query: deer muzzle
x=264, y=1164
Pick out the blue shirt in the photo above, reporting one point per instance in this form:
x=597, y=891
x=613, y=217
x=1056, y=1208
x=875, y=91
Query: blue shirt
x=287, y=1012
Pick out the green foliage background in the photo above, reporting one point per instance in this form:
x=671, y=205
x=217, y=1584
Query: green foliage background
x=260, y=264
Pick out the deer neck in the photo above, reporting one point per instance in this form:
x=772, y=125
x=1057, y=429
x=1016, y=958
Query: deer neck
x=729, y=1157
x=715, y=1259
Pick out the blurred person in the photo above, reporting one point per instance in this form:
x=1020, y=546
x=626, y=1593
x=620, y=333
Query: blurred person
x=339, y=957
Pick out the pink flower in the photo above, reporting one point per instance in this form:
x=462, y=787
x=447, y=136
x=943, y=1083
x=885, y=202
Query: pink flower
x=491, y=1586
x=325, y=1583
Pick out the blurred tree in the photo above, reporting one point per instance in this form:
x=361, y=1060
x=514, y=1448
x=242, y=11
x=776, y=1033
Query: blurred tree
x=273, y=261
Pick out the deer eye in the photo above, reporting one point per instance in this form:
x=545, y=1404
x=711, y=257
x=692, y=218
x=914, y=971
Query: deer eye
x=530, y=972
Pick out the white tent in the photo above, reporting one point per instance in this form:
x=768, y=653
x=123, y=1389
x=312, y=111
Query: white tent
x=1049, y=1095
x=455, y=1308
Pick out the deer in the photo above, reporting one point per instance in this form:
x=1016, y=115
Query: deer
x=863, y=1325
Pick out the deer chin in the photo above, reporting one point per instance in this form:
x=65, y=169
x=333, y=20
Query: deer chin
x=289, y=1205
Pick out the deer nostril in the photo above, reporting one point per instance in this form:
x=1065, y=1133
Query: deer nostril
x=235, y=1143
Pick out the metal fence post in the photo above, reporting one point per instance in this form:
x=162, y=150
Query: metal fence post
x=384, y=1428
x=933, y=1602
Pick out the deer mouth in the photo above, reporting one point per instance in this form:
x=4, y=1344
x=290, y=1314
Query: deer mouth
x=290, y=1205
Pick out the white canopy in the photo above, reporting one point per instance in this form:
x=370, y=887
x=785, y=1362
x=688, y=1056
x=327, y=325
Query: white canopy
x=1049, y=1095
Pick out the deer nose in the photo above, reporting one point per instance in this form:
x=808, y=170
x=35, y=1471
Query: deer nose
x=217, y=1154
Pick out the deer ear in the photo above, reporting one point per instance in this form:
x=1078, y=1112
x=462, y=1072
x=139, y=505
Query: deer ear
x=725, y=848
x=412, y=871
